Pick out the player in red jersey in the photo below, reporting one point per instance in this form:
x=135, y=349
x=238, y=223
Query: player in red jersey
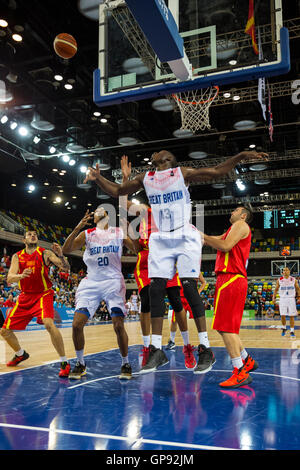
x=231, y=291
x=29, y=268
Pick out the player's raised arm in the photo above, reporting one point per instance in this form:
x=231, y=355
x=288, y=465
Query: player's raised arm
x=56, y=257
x=111, y=188
x=239, y=230
x=76, y=239
x=203, y=174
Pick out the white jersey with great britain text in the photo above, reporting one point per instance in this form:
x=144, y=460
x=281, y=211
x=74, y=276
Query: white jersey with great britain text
x=103, y=252
x=169, y=198
x=104, y=279
x=287, y=288
x=177, y=243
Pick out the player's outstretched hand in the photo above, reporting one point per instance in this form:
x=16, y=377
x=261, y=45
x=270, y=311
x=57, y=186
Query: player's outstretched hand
x=57, y=249
x=125, y=167
x=92, y=173
x=252, y=155
x=86, y=220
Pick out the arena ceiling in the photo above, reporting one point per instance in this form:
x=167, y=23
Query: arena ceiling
x=28, y=69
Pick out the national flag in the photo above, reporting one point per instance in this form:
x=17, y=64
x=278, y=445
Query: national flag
x=250, y=26
x=261, y=82
x=271, y=128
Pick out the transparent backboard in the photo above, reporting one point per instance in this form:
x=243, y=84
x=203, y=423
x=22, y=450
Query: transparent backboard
x=216, y=44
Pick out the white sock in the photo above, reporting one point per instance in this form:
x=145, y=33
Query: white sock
x=292, y=329
x=125, y=360
x=63, y=359
x=172, y=336
x=237, y=362
x=80, y=357
x=283, y=327
x=156, y=341
x=244, y=354
x=185, y=337
x=20, y=352
x=146, y=341
x=203, y=339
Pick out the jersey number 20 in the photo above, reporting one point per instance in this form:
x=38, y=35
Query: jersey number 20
x=103, y=261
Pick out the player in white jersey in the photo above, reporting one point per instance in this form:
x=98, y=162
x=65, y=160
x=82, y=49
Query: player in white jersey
x=104, y=281
x=134, y=300
x=287, y=286
x=176, y=241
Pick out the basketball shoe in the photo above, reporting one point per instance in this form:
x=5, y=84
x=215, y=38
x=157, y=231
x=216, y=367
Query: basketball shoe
x=206, y=360
x=189, y=359
x=126, y=372
x=78, y=371
x=250, y=364
x=145, y=355
x=156, y=359
x=171, y=345
x=17, y=359
x=64, y=369
x=239, y=377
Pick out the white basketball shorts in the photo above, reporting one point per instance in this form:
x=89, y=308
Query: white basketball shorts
x=180, y=249
x=90, y=293
x=287, y=307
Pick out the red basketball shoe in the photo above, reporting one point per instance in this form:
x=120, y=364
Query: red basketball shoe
x=239, y=377
x=189, y=359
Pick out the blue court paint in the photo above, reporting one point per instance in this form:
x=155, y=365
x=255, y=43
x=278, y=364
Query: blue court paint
x=169, y=409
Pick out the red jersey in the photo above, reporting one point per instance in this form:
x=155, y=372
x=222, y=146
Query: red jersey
x=234, y=261
x=147, y=226
x=8, y=303
x=38, y=281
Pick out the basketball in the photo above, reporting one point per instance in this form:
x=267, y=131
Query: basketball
x=65, y=45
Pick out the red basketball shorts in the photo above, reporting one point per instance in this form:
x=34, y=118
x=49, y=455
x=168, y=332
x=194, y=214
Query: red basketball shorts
x=29, y=306
x=142, y=276
x=229, y=302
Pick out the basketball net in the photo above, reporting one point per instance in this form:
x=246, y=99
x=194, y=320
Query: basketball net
x=194, y=107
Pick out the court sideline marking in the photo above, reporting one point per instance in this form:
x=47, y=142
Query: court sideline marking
x=117, y=438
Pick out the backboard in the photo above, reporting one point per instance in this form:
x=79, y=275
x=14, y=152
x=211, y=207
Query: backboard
x=215, y=45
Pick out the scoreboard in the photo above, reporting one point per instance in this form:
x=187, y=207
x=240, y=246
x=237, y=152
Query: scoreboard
x=282, y=218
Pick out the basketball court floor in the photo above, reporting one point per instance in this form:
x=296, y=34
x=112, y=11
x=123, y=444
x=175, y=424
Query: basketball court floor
x=170, y=409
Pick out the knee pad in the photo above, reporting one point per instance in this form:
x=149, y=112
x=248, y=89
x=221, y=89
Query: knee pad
x=145, y=300
x=157, y=296
x=192, y=296
x=173, y=294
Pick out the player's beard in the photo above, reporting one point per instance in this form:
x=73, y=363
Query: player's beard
x=31, y=245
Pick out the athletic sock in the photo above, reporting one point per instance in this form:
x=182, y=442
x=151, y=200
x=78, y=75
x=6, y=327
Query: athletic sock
x=20, y=352
x=244, y=354
x=237, y=362
x=63, y=359
x=292, y=329
x=125, y=360
x=172, y=336
x=185, y=337
x=80, y=357
x=146, y=341
x=156, y=341
x=203, y=338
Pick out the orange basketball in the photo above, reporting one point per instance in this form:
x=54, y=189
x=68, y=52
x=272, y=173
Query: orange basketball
x=65, y=45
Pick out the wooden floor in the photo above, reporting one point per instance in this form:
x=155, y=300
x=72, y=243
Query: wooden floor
x=254, y=334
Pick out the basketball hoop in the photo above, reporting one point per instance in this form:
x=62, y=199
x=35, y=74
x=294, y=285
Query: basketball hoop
x=194, y=107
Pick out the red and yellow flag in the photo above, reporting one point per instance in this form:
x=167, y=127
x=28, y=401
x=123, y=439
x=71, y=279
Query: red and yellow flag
x=250, y=27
